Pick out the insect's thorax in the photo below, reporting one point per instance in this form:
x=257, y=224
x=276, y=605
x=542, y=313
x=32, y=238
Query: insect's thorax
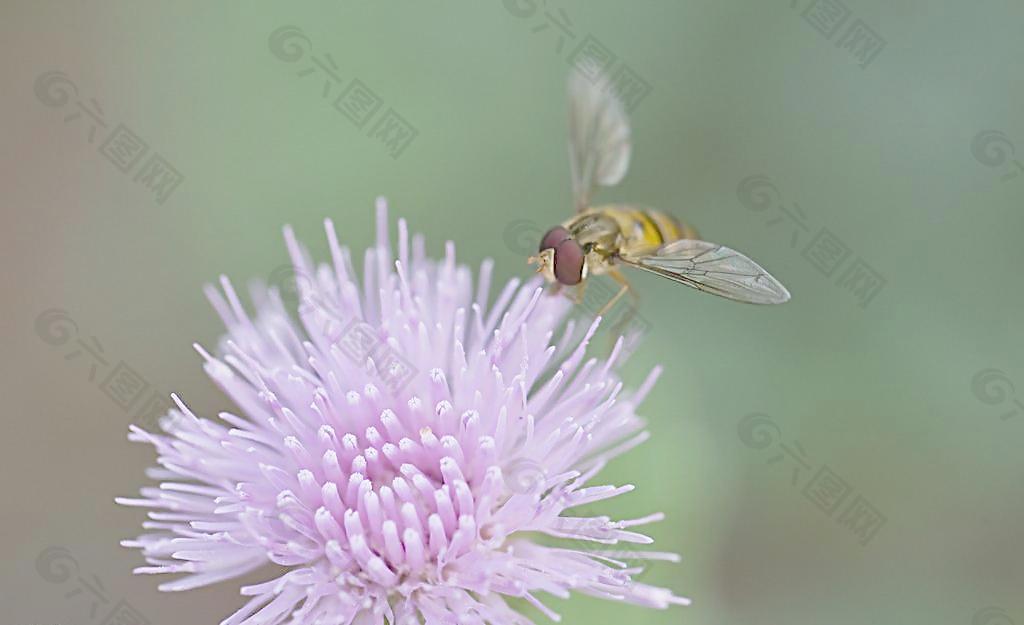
x=615, y=229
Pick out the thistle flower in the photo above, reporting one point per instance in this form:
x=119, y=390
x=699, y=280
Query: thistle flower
x=398, y=450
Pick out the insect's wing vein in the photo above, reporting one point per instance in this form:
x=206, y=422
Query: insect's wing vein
x=722, y=271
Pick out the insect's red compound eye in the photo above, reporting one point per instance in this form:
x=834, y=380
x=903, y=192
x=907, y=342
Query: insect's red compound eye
x=553, y=237
x=569, y=262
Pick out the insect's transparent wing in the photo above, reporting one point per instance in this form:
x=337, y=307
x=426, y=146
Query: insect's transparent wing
x=599, y=135
x=714, y=269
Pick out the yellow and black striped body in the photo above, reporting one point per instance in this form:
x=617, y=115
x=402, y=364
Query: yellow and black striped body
x=627, y=230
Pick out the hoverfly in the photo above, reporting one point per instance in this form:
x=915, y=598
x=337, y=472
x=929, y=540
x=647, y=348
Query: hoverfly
x=597, y=239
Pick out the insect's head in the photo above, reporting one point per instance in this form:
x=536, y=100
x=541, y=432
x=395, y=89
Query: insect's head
x=560, y=258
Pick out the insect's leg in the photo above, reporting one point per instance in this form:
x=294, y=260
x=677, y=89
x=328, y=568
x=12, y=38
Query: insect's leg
x=626, y=287
x=618, y=277
x=635, y=304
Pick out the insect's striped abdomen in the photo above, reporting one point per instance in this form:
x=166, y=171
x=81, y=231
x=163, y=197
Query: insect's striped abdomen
x=646, y=228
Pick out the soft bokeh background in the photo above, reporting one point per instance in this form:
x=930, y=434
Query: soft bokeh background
x=879, y=156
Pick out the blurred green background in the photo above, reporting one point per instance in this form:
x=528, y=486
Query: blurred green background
x=897, y=158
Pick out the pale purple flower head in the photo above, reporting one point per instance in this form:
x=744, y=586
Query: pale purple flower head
x=398, y=450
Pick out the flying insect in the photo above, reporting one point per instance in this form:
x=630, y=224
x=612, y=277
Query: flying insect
x=598, y=240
